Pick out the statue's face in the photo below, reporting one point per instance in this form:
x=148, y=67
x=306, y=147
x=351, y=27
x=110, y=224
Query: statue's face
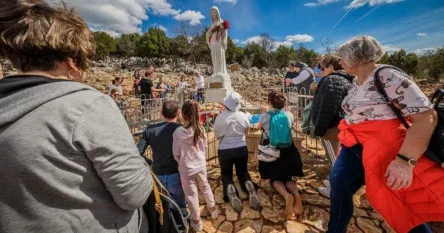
x=214, y=14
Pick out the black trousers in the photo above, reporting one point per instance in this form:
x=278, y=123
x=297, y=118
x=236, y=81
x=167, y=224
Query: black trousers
x=201, y=95
x=239, y=158
x=146, y=102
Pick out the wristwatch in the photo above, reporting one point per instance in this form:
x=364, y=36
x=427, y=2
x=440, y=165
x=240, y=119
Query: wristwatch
x=411, y=162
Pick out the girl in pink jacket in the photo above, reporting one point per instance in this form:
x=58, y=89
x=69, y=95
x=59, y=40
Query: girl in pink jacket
x=189, y=149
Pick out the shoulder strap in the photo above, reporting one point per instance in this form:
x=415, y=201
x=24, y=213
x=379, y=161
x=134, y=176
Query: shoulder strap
x=380, y=88
x=157, y=200
x=437, y=97
x=220, y=139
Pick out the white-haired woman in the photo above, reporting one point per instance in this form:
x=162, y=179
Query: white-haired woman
x=403, y=186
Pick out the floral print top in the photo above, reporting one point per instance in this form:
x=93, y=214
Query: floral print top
x=364, y=103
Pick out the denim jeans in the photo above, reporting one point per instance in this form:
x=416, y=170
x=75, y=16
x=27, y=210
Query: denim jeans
x=346, y=178
x=174, y=187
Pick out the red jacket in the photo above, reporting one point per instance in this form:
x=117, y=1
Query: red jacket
x=404, y=209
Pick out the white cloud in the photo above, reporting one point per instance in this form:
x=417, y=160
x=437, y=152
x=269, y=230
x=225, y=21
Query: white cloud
x=421, y=34
x=390, y=48
x=276, y=45
x=289, y=40
x=423, y=51
x=359, y=3
x=236, y=41
x=193, y=16
x=254, y=39
x=160, y=7
x=162, y=28
x=299, y=38
x=320, y=3
x=110, y=32
x=127, y=16
x=228, y=1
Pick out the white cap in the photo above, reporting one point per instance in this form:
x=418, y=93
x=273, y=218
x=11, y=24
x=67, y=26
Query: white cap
x=233, y=101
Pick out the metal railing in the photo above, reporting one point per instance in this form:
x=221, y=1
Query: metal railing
x=297, y=100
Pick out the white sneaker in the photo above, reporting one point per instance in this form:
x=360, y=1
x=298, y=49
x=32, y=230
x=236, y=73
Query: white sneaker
x=234, y=199
x=215, y=213
x=324, y=191
x=327, y=183
x=253, y=197
x=197, y=227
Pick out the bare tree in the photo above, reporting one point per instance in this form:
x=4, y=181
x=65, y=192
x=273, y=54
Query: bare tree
x=266, y=41
x=193, y=37
x=328, y=45
x=184, y=29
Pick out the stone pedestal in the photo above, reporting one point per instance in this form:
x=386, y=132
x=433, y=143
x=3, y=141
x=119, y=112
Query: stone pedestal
x=219, y=87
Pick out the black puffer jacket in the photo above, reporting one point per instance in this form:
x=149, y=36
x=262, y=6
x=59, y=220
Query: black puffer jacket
x=326, y=110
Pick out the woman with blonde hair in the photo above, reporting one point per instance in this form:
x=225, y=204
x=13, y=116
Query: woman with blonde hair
x=402, y=185
x=68, y=160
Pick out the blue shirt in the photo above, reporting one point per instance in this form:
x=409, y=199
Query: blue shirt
x=317, y=70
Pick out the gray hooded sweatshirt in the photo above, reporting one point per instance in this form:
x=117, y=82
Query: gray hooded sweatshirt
x=68, y=162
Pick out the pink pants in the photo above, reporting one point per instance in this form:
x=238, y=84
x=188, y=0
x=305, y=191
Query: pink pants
x=190, y=186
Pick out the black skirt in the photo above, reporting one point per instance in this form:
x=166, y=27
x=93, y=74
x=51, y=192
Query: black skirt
x=289, y=164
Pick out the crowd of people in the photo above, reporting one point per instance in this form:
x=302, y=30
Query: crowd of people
x=152, y=95
x=69, y=162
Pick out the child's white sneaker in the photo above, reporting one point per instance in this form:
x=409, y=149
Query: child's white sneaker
x=215, y=213
x=197, y=227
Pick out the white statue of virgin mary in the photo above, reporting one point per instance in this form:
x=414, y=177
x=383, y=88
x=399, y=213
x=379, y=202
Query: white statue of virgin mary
x=217, y=39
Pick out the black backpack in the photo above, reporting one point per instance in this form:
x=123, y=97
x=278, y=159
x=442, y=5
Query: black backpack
x=435, y=150
x=162, y=212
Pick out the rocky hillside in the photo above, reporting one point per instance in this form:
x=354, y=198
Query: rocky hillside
x=252, y=83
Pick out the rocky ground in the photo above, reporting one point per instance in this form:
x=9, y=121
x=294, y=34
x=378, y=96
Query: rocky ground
x=268, y=219
x=252, y=84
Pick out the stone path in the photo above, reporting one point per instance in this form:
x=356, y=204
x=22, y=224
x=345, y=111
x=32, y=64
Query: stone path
x=267, y=220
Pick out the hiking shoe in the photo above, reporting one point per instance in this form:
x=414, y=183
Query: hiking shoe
x=324, y=191
x=197, y=227
x=254, y=198
x=215, y=213
x=327, y=183
x=232, y=196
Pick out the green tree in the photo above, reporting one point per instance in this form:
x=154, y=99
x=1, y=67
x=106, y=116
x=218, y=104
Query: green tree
x=126, y=44
x=106, y=44
x=305, y=55
x=431, y=64
x=153, y=43
x=404, y=61
x=200, y=52
x=257, y=54
x=233, y=52
x=180, y=47
x=282, y=56
x=385, y=59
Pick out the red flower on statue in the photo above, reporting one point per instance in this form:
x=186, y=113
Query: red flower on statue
x=226, y=24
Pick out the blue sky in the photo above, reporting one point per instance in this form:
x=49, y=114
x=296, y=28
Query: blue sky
x=408, y=24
